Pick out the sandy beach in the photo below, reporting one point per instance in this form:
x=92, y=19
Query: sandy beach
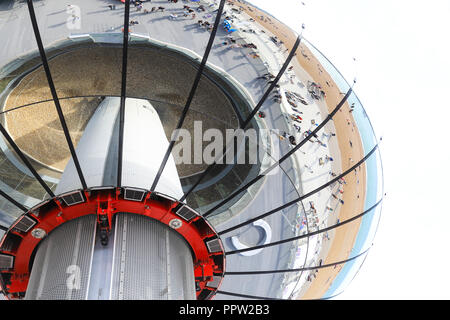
x=343, y=238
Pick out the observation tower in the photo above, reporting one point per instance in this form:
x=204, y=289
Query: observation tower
x=184, y=150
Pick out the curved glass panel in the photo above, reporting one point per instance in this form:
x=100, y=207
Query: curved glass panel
x=250, y=52
x=8, y=212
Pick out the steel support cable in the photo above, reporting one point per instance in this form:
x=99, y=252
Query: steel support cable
x=282, y=159
x=307, y=228
x=191, y=95
x=303, y=196
x=14, y=202
x=356, y=273
x=307, y=249
x=235, y=273
x=282, y=271
x=51, y=85
x=250, y=117
x=123, y=90
x=307, y=235
x=26, y=161
x=274, y=83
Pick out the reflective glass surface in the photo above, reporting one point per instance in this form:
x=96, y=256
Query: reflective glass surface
x=292, y=188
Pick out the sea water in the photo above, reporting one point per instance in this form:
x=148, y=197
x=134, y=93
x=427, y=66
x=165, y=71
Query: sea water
x=374, y=185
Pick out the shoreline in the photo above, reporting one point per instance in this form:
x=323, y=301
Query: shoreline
x=345, y=236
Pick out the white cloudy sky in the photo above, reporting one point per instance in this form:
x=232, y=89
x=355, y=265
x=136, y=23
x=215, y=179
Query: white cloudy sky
x=402, y=49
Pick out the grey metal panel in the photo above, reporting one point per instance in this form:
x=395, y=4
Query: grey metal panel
x=151, y=261
x=62, y=263
x=73, y=198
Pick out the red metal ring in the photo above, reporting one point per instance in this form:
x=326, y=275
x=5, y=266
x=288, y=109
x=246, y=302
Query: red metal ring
x=105, y=202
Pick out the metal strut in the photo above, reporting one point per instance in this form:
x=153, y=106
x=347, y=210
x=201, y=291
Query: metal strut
x=123, y=91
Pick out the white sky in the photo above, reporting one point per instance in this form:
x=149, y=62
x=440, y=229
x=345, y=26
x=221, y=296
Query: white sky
x=402, y=49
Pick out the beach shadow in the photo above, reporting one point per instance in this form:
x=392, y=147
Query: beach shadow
x=191, y=27
x=239, y=57
x=158, y=19
x=57, y=25
x=236, y=66
x=137, y=14
x=221, y=32
x=98, y=11
x=56, y=12
x=254, y=83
